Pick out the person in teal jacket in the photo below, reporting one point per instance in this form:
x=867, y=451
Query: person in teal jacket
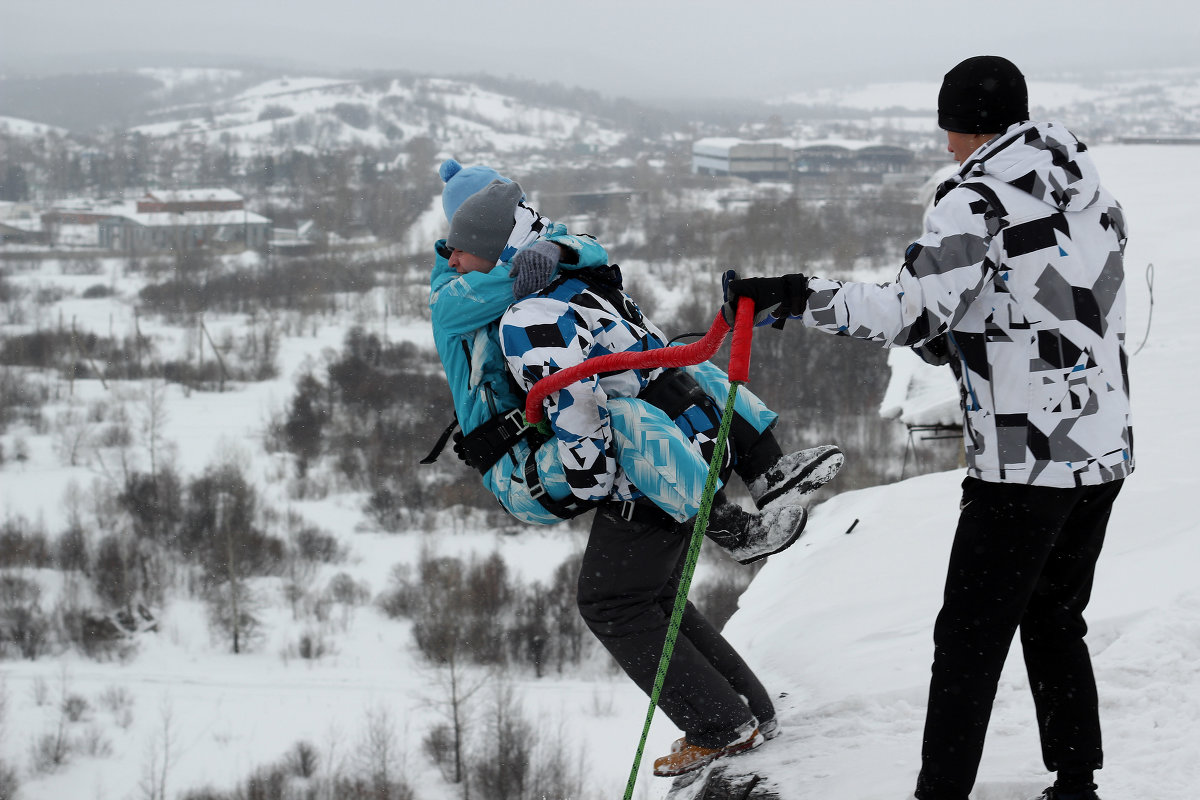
x=469, y=294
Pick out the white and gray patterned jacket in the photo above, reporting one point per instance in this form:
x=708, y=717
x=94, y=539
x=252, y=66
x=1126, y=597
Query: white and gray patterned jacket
x=1019, y=283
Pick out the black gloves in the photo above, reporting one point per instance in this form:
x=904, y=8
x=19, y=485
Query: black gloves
x=533, y=267
x=774, y=298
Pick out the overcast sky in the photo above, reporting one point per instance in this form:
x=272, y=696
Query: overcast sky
x=644, y=49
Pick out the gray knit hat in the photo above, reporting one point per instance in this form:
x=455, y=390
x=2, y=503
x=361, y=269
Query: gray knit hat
x=485, y=220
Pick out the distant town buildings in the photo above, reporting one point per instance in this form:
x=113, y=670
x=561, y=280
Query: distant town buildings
x=788, y=159
x=160, y=220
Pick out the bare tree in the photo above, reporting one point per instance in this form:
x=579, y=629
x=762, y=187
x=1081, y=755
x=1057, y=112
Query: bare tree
x=445, y=743
x=9, y=780
x=379, y=760
x=73, y=434
x=502, y=765
x=153, y=420
x=160, y=755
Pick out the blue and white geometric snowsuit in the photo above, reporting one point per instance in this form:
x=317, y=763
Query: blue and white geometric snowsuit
x=650, y=448
x=593, y=419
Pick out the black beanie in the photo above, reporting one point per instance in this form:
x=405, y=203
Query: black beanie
x=984, y=94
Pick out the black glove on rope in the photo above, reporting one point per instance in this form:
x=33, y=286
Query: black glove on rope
x=781, y=298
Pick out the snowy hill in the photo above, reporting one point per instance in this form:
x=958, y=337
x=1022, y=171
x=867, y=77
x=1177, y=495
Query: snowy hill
x=1114, y=105
x=337, y=113
x=257, y=113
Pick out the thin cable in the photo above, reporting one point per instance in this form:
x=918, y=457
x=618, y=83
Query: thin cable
x=1149, y=316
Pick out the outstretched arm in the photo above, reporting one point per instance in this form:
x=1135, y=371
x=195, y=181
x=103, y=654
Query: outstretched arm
x=941, y=276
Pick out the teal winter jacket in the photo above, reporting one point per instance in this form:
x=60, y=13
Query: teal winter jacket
x=466, y=313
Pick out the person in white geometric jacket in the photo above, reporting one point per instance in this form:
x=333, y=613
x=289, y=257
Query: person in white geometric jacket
x=1018, y=283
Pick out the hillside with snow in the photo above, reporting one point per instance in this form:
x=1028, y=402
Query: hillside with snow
x=253, y=113
x=1120, y=104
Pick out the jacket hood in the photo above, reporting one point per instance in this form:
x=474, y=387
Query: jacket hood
x=1042, y=159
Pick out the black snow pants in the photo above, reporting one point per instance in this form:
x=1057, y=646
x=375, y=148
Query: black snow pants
x=627, y=586
x=1023, y=557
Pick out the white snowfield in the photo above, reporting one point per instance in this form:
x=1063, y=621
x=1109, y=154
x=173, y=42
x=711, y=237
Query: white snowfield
x=841, y=623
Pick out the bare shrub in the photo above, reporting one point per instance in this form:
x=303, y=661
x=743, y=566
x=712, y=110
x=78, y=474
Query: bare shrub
x=40, y=691
x=75, y=707
x=501, y=766
x=440, y=745
x=161, y=753
x=23, y=544
x=379, y=770
x=10, y=781
x=344, y=589
x=313, y=544
x=118, y=701
x=399, y=599
x=93, y=743
x=114, y=573
x=311, y=646
x=23, y=625
x=303, y=759
x=49, y=752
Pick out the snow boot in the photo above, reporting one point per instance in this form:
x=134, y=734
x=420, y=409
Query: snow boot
x=767, y=730
x=748, y=537
x=1051, y=793
x=691, y=757
x=800, y=473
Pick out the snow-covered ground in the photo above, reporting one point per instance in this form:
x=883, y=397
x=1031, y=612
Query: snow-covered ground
x=841, y=623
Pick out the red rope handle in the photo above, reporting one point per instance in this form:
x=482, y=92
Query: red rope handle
x=743, y=332
x=692, y=353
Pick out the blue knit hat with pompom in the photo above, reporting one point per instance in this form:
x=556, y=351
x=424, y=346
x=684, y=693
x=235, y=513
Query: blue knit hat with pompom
x=462, y=182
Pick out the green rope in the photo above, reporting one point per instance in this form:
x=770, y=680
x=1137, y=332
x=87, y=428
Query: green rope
x=685, y=579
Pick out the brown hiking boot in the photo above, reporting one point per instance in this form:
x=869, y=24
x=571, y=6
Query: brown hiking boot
x=691, y=757
x=766, y=730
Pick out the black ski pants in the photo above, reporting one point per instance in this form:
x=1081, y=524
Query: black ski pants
x=627, y=585
x=1023, y=557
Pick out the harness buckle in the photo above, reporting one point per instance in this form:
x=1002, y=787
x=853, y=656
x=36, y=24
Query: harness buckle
x=536, y=489
x=516, y=417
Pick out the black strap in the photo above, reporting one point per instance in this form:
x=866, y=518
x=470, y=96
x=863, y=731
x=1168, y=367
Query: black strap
x=441, y=443
x=674, y=391
x=567, y=508
x=641, y=512
x=487, y=444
